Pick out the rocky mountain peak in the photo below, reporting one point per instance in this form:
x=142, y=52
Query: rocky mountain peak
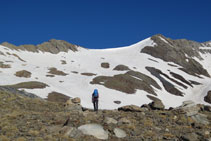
x=53, y=46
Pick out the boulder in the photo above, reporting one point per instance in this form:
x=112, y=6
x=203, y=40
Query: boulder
x=207, y=108
x=109, y=120
x=190, y=108
x=95, y=130
x=105, y=65
x=189, y=137
x=72, y=132
x=23, y=73
x=200, y=118
x=207, y=98
x=157, y=105
x=119, y=133
x=130, y=108
x=121, y=68
x=76, y=100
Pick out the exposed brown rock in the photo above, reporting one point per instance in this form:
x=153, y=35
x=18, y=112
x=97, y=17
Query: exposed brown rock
x=18, y=57
x=175, y=51
x=57, y=97
x=88, y=74
x=121, y=68
x=105, y=65
x=63, y=62
x=23, y=73
x=54, y=71
x=2, y=65
x=167, y=85
x=128, y=82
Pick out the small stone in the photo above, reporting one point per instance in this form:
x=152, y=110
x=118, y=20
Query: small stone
x=124, y=121
x=117, y=102
x=175, y=117
x=206, y=133
x=119, y=133
x=109, y=120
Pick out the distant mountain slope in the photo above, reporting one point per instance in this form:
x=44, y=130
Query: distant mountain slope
x=170, y=70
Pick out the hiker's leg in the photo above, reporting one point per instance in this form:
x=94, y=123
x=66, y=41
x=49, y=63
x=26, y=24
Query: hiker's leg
x=94, y=105
x=97, y=105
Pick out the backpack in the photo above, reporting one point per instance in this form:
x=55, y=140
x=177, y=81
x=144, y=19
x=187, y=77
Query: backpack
x=95, y=94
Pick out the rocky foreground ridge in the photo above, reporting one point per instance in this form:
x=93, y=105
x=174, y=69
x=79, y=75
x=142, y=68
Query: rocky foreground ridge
x=25, y=117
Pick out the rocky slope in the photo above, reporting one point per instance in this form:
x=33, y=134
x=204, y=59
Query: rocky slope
x=25, y=118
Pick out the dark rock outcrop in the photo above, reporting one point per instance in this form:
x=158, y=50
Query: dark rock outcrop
x=105, y=65
x=121, y=68
x=88, y=74
x=167, y=85
x=128, y=82
x=54, y=71
x=3, y=66
x=177, y=51
x=207, y=98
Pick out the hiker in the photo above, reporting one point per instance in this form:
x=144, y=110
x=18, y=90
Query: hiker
x=95, y=97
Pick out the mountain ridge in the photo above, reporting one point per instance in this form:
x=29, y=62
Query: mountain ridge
x=170, y=70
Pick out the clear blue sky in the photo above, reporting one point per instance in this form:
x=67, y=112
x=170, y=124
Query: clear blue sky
x=103, y=23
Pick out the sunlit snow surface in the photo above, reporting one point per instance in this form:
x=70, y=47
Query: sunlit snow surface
x=89, y=61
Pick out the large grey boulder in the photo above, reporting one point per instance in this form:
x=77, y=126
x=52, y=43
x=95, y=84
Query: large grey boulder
x=190, y=108
x=119, y=133
x=95, y=130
